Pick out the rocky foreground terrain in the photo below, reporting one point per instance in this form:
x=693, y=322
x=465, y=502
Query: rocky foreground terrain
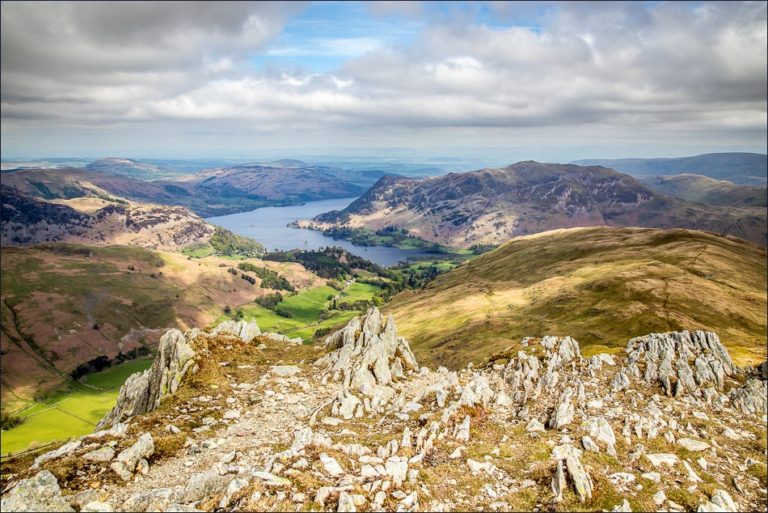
x=238, y=420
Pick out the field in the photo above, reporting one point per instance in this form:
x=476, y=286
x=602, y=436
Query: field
x=71, y=411
x=305, y=309
x=601, y=286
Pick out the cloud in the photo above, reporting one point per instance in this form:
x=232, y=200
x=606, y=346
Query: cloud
x=581, y=70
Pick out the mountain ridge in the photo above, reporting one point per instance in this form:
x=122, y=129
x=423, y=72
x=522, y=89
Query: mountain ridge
x=490, y=206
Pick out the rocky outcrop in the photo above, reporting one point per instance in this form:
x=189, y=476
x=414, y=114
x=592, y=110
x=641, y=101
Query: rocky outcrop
x=244, y=330
x=38, y=493
x=682, y=362
x=143, y=391
x=751, y=397
x=367, y=357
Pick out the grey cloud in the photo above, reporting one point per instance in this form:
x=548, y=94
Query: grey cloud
x=606, y=69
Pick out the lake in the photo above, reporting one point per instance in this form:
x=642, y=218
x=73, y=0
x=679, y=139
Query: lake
x=269, y=226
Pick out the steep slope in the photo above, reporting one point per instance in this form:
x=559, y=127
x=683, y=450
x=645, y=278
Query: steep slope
x=599, y=285
x=491, y=206
x=228, y=421
x=66, y=304
x=743, y=168
x=28, y=221
x=702, y=189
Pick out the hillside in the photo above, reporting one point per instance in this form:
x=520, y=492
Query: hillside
x=599, y=285
x=741, y=168
x=235, y=419
x=96, y=220
x=66, y=304
x=490, y=206
x=702, y=189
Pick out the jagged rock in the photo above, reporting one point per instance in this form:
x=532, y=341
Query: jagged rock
x=331, y=466
x=129, y=458
x=601, y=430
x=579, y=477
x=367, y=352
x=751, y=397
x=40, y=492
x=346, y=503
x=142, y=391
x=563, y=414
x=234, y=486
x=666, y=359
x=558, y=482
x=720, y=501
x=589, y=445
x=244, y=330
x=693, y=445
x=534, y=426
x=619, y=382
x=462, y=430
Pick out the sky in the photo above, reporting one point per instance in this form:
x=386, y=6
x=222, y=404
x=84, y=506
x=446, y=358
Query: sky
x=495, y=81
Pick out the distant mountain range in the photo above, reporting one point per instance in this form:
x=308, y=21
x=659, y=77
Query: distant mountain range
x=491, y=206
x=703, y=189
x=741, y=168
x=211, y=192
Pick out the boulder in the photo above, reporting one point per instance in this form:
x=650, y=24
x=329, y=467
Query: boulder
x=244, y=330
x=38, y=493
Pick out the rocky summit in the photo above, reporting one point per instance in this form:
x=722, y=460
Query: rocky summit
x=234, y=419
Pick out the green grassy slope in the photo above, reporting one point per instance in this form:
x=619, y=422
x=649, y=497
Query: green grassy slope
x=71, y=411
x=600, y=285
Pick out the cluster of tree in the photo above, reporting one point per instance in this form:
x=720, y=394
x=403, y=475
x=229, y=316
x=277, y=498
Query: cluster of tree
x=7, y=421
x=227, y=243
x=358, y=305
x=332, y=262
x=269, y=279
x=103, y=361
x=270, y=301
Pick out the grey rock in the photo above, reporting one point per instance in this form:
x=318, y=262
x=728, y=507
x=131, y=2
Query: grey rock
x=244, y=330
x=38, y=493
x=693, y=445
x=57, y=453
x=142, y=449
x=346, y=503
x=142, y=391
x=563, y=414
x=204, y=484
x=751, y=397
x=558, y=482
x=104, y=454
x=365, y=352
x=619, y=382
x=720, y=501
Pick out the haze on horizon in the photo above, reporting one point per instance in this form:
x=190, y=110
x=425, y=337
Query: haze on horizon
x=503, y=81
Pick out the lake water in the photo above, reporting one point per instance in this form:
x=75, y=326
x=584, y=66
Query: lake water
x=268, y=225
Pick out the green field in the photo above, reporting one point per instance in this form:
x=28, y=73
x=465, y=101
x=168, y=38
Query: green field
x=305, y=308
x=72, y=411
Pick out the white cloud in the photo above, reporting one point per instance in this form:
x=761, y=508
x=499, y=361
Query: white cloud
x=587, y=71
